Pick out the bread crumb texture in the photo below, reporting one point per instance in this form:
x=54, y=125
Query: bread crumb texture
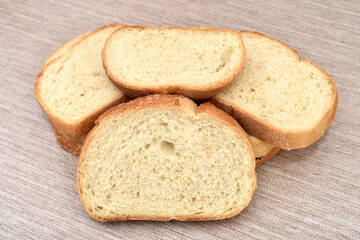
x=164, y=163
x=191, y=57
x=75, y=84
x=279, y=88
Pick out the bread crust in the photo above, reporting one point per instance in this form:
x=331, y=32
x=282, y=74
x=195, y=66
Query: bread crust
x=191, y=92
x=68, y=143
x=170, y=102
x=71, y=135
x=265, y=131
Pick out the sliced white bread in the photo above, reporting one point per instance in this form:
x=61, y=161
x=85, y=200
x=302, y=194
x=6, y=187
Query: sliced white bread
x=196, y=62
x=161, y=157
x=278, y=97
x=263, y=151
x=73, y=89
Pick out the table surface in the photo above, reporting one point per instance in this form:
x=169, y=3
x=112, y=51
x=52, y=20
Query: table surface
x=304, y=193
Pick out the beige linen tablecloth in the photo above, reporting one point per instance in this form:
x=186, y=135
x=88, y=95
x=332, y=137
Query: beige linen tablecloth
x=301, y=194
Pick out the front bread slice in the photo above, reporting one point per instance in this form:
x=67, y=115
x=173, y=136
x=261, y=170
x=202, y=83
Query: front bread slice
x=73, y=89
x=161, y=157
x=196, y=62
x=278, y=97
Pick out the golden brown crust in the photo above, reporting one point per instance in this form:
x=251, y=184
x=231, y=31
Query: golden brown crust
x=261, y=160
x=72, y=137
x=157, y=100
x=191, y=92
x=282, y=138
x=67, y=142
x=74, y=132
x=186, y=105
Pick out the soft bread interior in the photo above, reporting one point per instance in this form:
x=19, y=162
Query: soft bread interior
x=75, y=85
x=278, y=88
x=190, y=57
x=159, y=163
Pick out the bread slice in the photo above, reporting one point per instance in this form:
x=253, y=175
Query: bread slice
x=196, y=62
x=263, y=151
x=73, y=89
x=161, y=157
x=278, y=97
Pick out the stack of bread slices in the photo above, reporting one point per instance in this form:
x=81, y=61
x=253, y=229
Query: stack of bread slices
x=169, y=123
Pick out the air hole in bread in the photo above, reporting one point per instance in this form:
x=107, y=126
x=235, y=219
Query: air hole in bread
x=164, y=124
x=221, y=66
x=95, y=73
x=167, y=147
x=59, y=69
x=227, y=55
